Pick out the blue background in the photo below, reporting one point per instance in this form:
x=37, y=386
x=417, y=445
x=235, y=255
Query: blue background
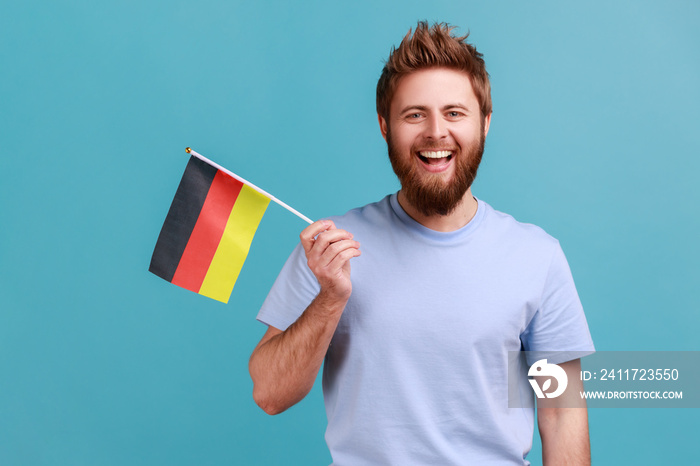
x=594, y=137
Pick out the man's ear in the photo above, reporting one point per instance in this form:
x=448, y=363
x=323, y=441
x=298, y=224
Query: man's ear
x=382, y=126
x=487, y=124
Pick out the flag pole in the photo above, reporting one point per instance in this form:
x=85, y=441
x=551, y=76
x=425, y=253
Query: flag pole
x=264, y=193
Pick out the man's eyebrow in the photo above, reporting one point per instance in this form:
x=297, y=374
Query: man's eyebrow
x=455, y=105
x=413, y=107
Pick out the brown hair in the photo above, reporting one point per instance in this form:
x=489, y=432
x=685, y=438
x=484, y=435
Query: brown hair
x=432, y=47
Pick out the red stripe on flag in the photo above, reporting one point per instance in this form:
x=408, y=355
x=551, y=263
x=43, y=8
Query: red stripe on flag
x=207, y=232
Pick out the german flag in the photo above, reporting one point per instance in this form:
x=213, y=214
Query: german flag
x=208, y=231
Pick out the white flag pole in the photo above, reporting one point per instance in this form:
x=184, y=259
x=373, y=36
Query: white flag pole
x=264, y=193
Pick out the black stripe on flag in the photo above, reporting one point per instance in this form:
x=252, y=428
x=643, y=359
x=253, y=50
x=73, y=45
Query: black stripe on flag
x=182, y=217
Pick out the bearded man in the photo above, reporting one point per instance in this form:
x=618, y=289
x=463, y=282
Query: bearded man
x=415, y=338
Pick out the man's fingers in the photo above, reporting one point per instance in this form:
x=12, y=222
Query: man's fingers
x=309, y=233
x=343, y=257
x=334, y=249
x=328, y=249
x=327, y=238
x=329, y=269
x=315, y=247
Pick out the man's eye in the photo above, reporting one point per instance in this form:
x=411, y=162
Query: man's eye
x=453, y=114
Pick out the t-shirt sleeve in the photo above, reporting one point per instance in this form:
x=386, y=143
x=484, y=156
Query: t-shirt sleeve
x=558, y=330
x=295, y=288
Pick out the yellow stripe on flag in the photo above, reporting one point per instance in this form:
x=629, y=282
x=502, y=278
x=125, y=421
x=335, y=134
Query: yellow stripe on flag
x=235, y=244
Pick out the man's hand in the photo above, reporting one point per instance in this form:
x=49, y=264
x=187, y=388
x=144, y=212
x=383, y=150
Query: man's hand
x=328, y=253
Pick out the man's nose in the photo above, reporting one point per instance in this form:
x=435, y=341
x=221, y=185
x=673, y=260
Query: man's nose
x=436, y=127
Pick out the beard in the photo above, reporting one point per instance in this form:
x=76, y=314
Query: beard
x=428, y=192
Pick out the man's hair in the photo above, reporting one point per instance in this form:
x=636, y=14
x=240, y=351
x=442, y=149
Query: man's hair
x=433, y=47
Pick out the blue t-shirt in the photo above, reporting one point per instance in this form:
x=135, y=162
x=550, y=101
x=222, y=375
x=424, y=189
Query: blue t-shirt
x=417, y=370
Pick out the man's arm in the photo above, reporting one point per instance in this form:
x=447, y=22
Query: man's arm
x=284, y=365
x=564, y=430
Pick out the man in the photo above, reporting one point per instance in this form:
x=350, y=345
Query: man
x=415, y=338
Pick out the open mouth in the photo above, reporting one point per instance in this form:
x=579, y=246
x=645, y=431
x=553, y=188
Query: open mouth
x=435, y=157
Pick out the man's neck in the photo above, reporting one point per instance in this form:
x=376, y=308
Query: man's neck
x=455, y=220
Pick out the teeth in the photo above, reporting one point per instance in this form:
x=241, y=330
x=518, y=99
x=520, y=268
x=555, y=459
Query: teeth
x=435, y=154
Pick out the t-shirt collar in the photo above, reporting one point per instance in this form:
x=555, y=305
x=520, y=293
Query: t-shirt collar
x=439, y=236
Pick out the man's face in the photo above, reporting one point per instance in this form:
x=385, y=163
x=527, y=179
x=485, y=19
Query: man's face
x=435, y=135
